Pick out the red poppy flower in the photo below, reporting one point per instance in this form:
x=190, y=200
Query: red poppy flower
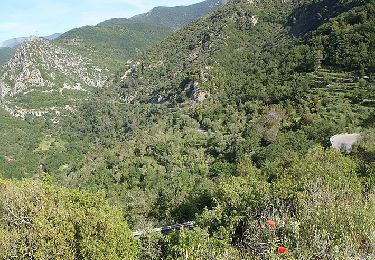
x=281, y=250
x=270, y=223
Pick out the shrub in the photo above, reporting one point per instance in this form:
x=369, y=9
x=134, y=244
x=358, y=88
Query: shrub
x=38, y=221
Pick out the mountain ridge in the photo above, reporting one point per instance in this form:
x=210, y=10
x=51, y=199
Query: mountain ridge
x=173, y=17
x=125, y=38
x=16, y=42
x=44, y=76
x=119, y=42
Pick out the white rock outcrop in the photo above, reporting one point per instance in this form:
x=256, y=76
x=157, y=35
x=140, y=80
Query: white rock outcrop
x=344, y=142
x=41, y=65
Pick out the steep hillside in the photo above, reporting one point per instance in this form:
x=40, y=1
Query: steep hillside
x=172, y=17
x=228, y=121
x=227, y=47
x=6, y=54
x=113, y=42
x=112, y=45
x=43, y=76
x=9, y=47
x=18, y=141
x=13, y=43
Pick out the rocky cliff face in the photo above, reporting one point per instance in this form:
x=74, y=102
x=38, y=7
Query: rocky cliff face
x=42, y=75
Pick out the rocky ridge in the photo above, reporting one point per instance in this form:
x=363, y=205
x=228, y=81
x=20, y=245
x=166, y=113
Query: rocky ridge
x=42, y=75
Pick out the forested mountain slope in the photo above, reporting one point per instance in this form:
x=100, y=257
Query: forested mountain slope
x=229, y=44
x=113, y=42
x=18, y=140
x=111, y=45
x=228, y=122
x=172, y=17
x=6, y=54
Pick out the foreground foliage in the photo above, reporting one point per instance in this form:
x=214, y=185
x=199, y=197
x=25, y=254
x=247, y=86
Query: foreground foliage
x=39, y=221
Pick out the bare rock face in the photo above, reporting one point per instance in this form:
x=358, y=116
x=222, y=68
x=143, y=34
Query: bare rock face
x=41, y=68
x=344, y=142
x=193, y=91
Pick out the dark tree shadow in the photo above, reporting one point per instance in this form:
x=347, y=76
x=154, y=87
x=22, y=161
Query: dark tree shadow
x=309, y=17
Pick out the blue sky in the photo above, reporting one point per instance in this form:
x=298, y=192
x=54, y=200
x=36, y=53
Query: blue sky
x=44, y=17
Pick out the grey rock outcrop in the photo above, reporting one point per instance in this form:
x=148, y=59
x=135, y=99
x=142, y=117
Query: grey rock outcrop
x=42, y=66
x=344, y=142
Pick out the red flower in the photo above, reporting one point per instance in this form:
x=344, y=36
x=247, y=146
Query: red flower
x=281, y=250
x=270, y=223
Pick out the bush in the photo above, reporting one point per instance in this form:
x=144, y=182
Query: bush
x=317, y=203
x=38, y=221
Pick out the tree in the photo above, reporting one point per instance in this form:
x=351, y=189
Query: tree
x=38, y=221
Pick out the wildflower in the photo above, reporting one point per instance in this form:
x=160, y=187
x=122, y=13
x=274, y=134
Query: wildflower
x=281, y=250
x=270, y=223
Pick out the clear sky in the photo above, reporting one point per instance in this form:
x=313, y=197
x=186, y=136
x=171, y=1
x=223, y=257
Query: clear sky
x=44, y=17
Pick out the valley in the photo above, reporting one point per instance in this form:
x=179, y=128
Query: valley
x=224, y=114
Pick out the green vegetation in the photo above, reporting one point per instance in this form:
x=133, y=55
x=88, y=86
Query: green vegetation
x=112, y=45
x=175, y=17
x=39, y=221
x=228, y=122
x=346, y=41
x=40, y=99
x=18, y=138
x=5, y=55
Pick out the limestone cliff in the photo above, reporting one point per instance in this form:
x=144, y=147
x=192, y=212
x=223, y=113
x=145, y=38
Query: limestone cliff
x=43, y=76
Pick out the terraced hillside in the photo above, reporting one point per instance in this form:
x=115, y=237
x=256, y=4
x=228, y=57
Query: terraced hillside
x=333, y=90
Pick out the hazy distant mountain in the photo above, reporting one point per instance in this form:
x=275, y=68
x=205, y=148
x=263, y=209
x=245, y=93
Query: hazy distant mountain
x=53, y=36
x=173, y=17
x=13, y=43
x=6, y=54
x=16, y=42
